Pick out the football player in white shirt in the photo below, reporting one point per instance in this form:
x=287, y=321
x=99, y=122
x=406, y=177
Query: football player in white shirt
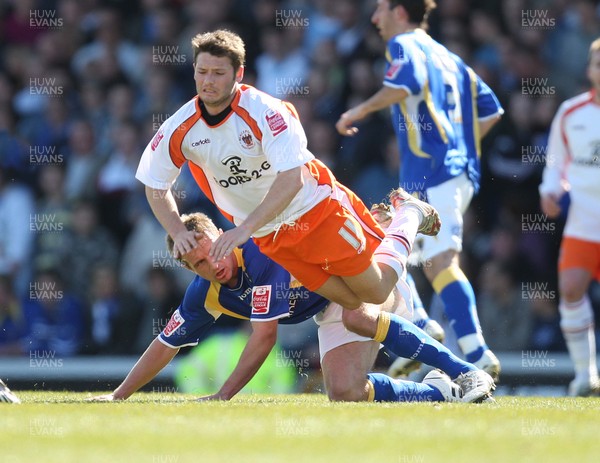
x=573, y=165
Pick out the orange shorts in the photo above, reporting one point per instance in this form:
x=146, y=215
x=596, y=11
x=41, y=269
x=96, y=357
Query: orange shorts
x=576, y=253
x=336, y=237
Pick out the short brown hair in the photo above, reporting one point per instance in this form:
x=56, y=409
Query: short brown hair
x=221, y=43
x=198, y=222
x=417, y=10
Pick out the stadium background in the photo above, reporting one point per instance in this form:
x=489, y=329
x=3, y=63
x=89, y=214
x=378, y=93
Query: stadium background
x=85, y=84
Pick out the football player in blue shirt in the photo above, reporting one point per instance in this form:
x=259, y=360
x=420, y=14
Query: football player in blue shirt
x=440, y=111
x=249, y=285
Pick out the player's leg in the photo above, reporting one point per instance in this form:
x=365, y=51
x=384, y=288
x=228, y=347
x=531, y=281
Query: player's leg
x=405, y=339
x=451, y=199
x=411, y=216
x=346, y=358
x=403, y=366
x=576, y=315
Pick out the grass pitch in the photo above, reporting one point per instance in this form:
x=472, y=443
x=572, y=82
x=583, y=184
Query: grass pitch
x=172, y=428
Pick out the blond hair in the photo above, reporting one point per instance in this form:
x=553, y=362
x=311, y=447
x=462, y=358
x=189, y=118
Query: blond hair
x=220, y=43
x=198, y=222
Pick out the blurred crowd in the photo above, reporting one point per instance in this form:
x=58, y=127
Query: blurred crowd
x=84, y=85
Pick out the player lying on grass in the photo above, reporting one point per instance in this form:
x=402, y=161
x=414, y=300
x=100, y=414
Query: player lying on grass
x=247, y=284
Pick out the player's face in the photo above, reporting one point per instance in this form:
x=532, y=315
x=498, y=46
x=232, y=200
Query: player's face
x=199, y=262
x=383, y=20
x=215, y=81
x=593, y=70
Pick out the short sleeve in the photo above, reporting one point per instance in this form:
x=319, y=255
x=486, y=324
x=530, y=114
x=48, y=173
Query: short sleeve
x=284, y=141
x=156, y=168
x=405, y=68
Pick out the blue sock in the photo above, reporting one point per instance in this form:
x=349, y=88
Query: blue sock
x=405, y=339
x=459, y=302
x=396, y=390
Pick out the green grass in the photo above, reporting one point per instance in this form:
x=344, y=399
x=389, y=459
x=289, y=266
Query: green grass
x=171, y=428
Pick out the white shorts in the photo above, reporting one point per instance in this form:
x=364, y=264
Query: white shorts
x=332, y=332
x=451, y=199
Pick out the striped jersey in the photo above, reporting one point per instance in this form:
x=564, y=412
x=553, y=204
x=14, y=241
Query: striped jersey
x=265, y=292
x=236, y=160
x=437, y=124
x=573, y=164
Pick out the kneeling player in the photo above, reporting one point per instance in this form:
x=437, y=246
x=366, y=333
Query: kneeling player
x=242, y=285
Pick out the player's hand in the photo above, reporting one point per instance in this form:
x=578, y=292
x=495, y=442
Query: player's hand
x=549, y=205
x=227, y=242
x=184, y=242
x=344, y=124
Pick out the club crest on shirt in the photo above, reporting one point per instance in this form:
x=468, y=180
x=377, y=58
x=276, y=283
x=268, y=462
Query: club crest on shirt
x=175, y=322
x=276, y=122
x=246, y=139
x=261, y=299
x=393, y=69
x=157, y=138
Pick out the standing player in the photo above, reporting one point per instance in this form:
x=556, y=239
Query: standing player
x=573, y=164
x=247, y=284
x=440, y=109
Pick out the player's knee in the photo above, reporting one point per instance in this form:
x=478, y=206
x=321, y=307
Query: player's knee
x=375, y=295
x=571, y=291
x=355, y=321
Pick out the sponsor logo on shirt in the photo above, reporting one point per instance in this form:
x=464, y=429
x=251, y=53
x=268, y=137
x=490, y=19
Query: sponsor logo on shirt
x=261, y=299
x=156, y=140
x=201, y=142
x=246, y=139
x=175, y=322
x=276, y=122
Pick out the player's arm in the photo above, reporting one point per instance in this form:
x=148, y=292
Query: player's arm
x=486, y=125
x=553, y=183
x=286, y=186
x=386, y=96
x=260, y=343
x=164, y=207
x=156, y=357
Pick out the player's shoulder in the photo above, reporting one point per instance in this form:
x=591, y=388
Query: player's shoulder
x=186, y=111
x=251, y=254
x=252, y=98
x=575, y=102
x=197, y=291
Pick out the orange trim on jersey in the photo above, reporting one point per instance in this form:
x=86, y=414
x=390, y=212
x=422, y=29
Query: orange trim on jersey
x=563, y=133
x=245, y=115
x=176, y=139
x=321, y=173
x=291, y=108
x=202, y=181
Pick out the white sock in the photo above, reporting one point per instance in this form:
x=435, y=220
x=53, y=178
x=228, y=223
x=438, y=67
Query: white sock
x=470, y=342
x=577, y=324
x=406, y=223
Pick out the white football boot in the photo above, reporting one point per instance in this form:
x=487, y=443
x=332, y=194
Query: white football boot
x=6, y=394
x=442, y=382
x=476, y=385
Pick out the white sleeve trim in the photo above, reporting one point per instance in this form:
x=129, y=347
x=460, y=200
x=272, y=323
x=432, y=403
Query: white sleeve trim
x=398, y=87
x=497, y=113
x=189, y=344
x=269, y=319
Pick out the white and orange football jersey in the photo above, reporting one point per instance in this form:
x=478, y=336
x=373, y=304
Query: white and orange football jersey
x=573, y=163
x=236, y=160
